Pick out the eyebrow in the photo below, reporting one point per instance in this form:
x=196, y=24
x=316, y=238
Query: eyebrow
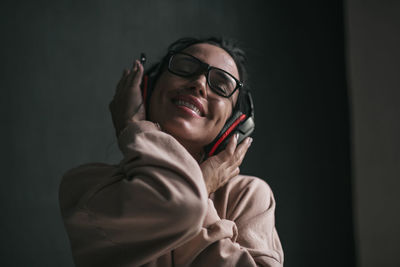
x=224, y=71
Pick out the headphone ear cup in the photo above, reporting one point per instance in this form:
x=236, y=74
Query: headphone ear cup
x=147, y=90
x=224, y=135
x=245, y=129
x=241, y=122
x=148, y=84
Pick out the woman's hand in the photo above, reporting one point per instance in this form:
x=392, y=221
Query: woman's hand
x=219, y=169
x=127, y=104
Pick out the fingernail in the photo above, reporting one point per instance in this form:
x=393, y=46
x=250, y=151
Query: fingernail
x=250, y=140
x=135, y=66
x=237, y=136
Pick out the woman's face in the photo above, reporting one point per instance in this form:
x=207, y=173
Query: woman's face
x=187, y=108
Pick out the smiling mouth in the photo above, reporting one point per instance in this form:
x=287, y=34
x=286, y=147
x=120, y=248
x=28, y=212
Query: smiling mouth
x=180, y=102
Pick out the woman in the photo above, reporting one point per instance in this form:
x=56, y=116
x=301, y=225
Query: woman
x=167, y=203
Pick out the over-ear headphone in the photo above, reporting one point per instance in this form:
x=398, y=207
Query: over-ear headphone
x=241, y=121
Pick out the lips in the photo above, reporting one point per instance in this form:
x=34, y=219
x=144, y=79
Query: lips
x=190, y=102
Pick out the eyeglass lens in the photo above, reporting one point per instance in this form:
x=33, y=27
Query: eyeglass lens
x=219, y=81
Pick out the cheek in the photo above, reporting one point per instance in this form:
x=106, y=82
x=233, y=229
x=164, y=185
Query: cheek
x=222, y=110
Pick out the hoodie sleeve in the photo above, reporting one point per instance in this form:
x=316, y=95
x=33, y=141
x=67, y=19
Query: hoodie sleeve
x=247, y=237
x=130, y=214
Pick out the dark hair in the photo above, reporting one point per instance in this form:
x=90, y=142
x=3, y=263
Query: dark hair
x=229, y=45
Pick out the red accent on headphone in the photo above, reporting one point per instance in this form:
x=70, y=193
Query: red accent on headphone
x=144, y=94
x=227, y=132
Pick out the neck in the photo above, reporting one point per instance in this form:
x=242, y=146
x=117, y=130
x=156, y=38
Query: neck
x=196, y=152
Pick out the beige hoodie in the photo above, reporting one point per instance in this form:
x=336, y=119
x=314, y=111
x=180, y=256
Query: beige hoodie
x=153, y=210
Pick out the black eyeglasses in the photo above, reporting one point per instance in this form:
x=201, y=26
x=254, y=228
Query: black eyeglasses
x=220, y=81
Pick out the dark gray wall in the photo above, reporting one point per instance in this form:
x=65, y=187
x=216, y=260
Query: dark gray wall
x=60, y=64
x=373, y=29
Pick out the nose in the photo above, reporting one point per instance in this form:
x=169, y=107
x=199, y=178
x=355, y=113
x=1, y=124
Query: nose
x=199, y=83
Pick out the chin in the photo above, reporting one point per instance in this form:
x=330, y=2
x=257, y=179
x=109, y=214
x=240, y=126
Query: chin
x=186, y=132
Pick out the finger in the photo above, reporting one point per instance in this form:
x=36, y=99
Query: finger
x=129, y=76
x=244, y=145
x=242, y=150
x=122, y=81
x=133, y=74
x=139, y=75
x=125, y=74
x=231, y=146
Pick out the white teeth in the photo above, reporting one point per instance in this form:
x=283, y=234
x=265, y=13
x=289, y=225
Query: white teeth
x=188, y=105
